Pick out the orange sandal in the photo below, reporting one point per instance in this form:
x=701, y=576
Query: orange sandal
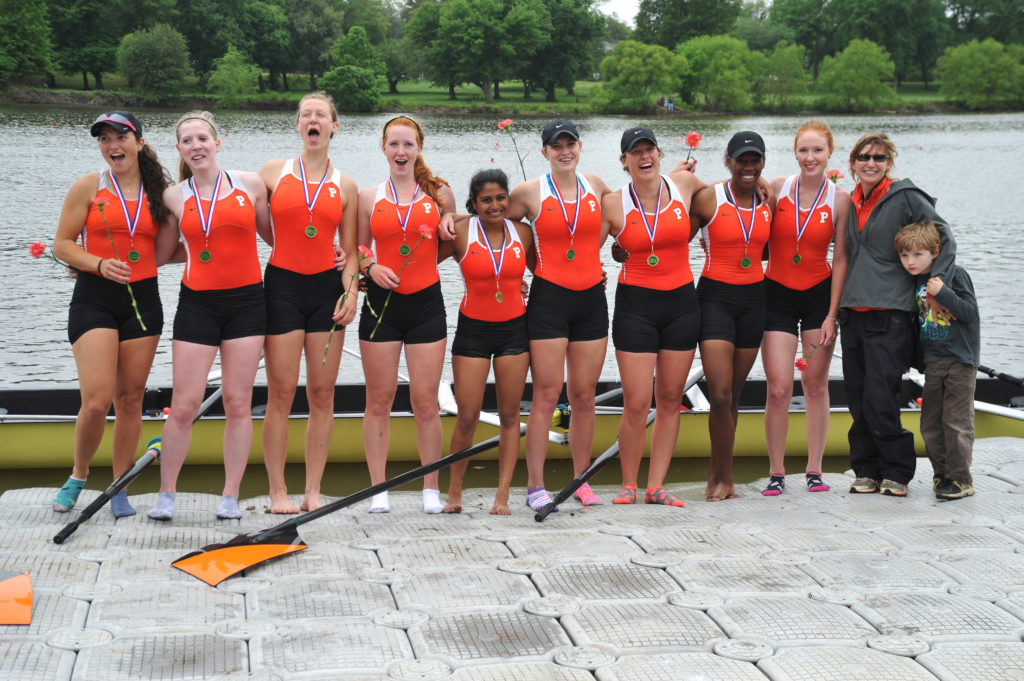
x=659, y=495
x=627, y=495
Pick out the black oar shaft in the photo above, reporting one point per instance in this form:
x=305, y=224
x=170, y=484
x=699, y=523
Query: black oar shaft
x=1001, y=376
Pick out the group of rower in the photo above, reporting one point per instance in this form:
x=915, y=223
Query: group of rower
x=118, y=225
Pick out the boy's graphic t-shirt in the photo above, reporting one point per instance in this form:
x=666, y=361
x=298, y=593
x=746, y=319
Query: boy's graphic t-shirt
x=934, y=325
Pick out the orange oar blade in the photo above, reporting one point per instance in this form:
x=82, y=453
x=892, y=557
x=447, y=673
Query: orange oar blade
x=15, y=598
x=214, y=565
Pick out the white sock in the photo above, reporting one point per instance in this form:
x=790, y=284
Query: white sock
x=164, y=509
x=432, y=501
x=380, y=503
x=228, y=509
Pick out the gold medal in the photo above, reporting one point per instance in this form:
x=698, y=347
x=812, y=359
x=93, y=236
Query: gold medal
x=745, y=262
x=405, y=250
x=205, y=255
x=311, y=231
x=652, y=260
x=570, y=254
x=497, y=296
x=134, y=255
x=797, y=259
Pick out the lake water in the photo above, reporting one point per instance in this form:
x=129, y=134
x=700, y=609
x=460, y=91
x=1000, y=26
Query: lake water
x=965, y=161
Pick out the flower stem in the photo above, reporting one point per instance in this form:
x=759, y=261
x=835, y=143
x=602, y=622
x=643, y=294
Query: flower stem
x=110, y=237
x=408, y=259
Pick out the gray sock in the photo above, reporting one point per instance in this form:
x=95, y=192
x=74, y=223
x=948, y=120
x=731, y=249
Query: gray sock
x=164, y=509
x=228, y=509
x=119, y=505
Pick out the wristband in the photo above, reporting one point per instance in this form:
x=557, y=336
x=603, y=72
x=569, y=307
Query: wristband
x=835, y=319
x=98, y=266
x=368, y=268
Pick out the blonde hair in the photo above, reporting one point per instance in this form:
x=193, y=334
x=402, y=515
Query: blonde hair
x=323, y=97
x=819, y=127
x=918, y=236
x=426, y=180
x=874, y=139
x=184, y=172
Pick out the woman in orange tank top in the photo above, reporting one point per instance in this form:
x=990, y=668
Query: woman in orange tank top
x=493, y=253
x=312, y=206
x=656, y=313
x=731, y=294
x=802, y=295
x=113, y=352
x=221, y=306
x=402, y=215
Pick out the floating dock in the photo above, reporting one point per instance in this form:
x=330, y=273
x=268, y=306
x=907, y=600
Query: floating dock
x=826, y=586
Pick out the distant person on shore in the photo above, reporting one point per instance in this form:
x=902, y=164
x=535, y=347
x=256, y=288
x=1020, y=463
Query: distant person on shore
x=221, y=307
x=126, y=231
x=951, y=351
x=671, y=104
x=403, y=306
x=313, y=211
x=492, y=252
x=878, y=312
x=802, y=292
x=734, y=225
x=657, y=316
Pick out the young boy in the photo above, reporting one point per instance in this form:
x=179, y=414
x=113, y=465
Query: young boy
x=951, y=342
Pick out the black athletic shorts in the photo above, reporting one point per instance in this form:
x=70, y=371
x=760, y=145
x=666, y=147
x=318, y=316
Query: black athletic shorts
x=477, y=338
x=731, y=312
x=792, y=310
x=410, y=317
x=554, y=311
x=99, y=303
x=649, y=320
x=210, y=317
x=301, y=302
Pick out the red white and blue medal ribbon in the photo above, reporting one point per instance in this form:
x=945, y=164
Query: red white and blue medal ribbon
x=801, y=225
x=403, y=221
x=206, y=219
x=311, y=229
x=133, y=255
x=748, y=231
x=498, y=262
x=571, y=253
x=652, y=228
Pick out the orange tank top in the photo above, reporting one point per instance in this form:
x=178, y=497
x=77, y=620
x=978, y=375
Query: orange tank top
x=493, y=297
x=726, y=246
x=664, y=262
x=798, y=246
x=568, y=228
x=143, y=242
x=232, y=259
x=297, y=247
x=395, y=245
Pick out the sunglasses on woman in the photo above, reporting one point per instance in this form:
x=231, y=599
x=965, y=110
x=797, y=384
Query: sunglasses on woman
x=877, y=158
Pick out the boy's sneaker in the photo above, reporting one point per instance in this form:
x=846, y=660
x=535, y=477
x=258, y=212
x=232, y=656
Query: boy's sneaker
x=893, y=489
x=936, y=481
x=864, y=486
x=953, y=489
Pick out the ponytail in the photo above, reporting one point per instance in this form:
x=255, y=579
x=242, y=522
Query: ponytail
x=154, y=180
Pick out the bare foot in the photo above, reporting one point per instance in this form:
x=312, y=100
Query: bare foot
x=721, y=493
x=282, y=504
x=454, y=504
x=500, y=509
x=311, y=502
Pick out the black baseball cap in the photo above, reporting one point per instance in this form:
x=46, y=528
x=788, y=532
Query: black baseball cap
x=122, y=121
x=745, y=141
x=558, y=127
x=634, y=135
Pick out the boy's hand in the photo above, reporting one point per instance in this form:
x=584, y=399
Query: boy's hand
x=934, y=286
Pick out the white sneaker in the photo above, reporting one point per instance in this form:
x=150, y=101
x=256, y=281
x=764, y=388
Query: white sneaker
x=380, y=504
x=432, y=501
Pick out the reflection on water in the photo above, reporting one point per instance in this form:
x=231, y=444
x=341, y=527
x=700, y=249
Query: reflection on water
x=964, y=161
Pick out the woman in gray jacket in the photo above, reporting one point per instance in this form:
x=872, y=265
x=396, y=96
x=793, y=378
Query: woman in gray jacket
x=876, y=314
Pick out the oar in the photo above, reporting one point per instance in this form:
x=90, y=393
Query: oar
x=607, y=456
x=1001, y=376
x=152, y=454
x=216, y=562
x=15, y=598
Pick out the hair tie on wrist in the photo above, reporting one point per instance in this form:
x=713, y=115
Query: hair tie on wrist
x=99, y=267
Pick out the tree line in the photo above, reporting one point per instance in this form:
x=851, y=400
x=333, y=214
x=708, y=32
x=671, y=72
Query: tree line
x=721, y=55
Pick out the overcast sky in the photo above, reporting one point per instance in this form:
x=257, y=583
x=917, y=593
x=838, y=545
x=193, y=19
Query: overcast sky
x=625, y=9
